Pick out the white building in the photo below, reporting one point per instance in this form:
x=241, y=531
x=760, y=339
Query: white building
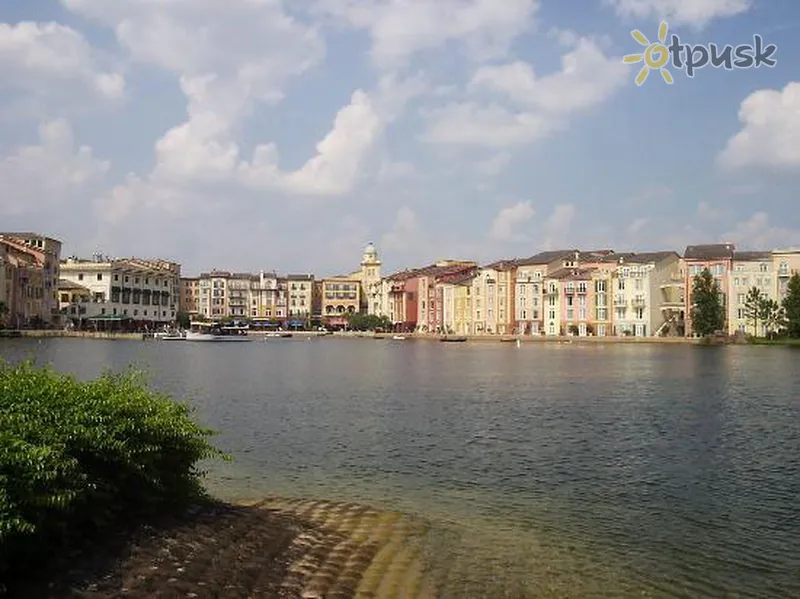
x=637, y=294
x=144, y=292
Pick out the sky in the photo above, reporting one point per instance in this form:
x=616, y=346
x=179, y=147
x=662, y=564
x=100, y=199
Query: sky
x=286, y=135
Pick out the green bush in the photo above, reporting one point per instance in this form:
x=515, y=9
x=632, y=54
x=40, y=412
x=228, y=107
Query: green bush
x=77, y=456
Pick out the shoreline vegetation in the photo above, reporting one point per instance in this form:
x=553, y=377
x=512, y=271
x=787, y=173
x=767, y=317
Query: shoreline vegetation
x=100, y=496
x=495, y=338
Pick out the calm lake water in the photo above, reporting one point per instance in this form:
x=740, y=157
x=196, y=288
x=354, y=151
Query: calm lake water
x=585, y=471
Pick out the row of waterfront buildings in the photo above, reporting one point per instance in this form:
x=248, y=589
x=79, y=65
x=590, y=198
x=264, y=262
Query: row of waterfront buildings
x=559, y=292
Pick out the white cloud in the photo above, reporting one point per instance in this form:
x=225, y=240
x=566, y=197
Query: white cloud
x=558, y=225
x=469, y=123
x=494, y=165
x=50, y=58
x=771, y=134
x=587, y=78
x=405, y=232
x=42, y=178
x=697, y=13
x=334, y=170
x=506, y=224
x=638, y=225
x=228, y=59
x=399, y=29
x=759, y=233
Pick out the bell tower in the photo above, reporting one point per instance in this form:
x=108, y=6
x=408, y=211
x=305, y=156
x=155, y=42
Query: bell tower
x=371, y=280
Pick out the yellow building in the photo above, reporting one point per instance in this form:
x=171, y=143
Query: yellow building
x=340, y=296
x=462, y=305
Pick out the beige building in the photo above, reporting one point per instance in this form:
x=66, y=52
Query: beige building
x=51, y=250
x=138, y=291
x=300, y=288
x=785, y=263
x=532, y=307
x=750, y=269
x=264, y=293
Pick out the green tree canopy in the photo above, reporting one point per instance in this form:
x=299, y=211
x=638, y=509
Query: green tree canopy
x=368, y=322
x=791, y=307
x=752, y=307
x=708, y=313
x=771, y=314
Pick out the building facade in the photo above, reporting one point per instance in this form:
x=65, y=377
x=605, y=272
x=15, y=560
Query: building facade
x=638, y=295
x=301, y=296
x=189, y=299
x=341, y=297
x=785, y=263
x=141, y=293
x=750, y=270
x=40, y=264
x=717, y=258
x=530, y=311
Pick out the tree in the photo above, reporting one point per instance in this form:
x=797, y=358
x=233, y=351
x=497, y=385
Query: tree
x=708, y=313
x=368, y=322
x=183, y=320
x=752, y=308
x=771, y=314
x=791, y=306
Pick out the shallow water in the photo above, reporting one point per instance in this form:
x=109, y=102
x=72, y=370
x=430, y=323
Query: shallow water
x=545, y=470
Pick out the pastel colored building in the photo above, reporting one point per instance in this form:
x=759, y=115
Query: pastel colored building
x=717, y=258
x=189, y=298
x=47, y=252
x=341, y=297
x=529, y=308
x=300, y=288
x=786, y=262
x=750, y=270
x=638, y=292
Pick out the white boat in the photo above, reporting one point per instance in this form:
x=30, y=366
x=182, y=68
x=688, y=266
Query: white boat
x=398, y=338
x=170, y=336
x=214, y=331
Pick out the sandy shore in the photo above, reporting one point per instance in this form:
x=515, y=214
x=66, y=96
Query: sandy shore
x=273, y=548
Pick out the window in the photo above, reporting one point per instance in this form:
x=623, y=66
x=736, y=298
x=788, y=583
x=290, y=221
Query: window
x=80, y=276
x=740, y=313
x=600, y=286
x=639, y=284
x=741, y=299
x=639, y=313
x=620, y=284
x=552, y=314
x=602, y=314
x=762, y=267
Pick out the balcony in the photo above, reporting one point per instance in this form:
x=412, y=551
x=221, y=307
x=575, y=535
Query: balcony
x=638, y=302
x=569, y=291
x=784, y=273
x=620, y=301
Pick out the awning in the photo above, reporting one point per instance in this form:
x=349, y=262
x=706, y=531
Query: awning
x=110, y=317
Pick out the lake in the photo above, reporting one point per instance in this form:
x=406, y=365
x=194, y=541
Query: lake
x=571, y=470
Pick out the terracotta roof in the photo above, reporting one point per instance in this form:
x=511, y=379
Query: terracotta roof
x=714, y=251
x=752, y=256
x=70, y=285
x=305, y=277
x=545, y=257
x=505, y=264
x=648, y=257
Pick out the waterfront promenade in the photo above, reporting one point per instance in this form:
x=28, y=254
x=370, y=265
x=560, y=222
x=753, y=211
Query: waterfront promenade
x=382, y=336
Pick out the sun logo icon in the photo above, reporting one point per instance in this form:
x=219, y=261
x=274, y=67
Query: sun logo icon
x=654, y=57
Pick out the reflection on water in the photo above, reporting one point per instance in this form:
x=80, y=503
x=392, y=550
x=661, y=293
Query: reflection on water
x=576, y=471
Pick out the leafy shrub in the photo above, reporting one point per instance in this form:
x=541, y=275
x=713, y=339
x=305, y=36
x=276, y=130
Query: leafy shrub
x=77, y=456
